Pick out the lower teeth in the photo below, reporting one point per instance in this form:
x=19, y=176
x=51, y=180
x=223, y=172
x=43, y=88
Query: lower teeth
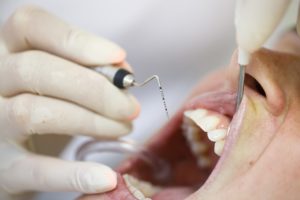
x=142, y=190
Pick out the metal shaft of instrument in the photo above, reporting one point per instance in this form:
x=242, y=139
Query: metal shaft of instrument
x=241, y=83
x=160, y=90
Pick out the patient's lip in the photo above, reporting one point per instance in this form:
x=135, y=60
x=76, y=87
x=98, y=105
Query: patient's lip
x=222, y=102
x=120, y=192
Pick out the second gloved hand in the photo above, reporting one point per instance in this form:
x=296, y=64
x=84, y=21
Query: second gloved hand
x=45, y=88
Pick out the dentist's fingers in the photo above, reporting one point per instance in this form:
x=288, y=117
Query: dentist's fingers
x=39, y=173
x=45, y=74
x=30, y=114
x=31, y=27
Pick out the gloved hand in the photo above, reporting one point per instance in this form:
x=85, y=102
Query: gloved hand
x=45, y=87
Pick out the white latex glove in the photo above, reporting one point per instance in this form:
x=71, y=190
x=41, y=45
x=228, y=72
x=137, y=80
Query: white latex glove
x=45, y=88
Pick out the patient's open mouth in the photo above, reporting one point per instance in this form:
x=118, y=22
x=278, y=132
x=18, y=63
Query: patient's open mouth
x=190, y=143
x=193, y=144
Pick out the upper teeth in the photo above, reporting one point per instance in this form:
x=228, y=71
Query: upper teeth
x=213, y=123
x=219, y=146
x=198, y=147
x=217, y=134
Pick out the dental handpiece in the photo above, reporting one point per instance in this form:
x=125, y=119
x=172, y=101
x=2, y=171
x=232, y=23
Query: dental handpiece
x=255, y=21
x=124, y=79
x=120, y=77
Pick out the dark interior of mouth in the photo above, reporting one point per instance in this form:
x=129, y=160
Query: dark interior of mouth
x=252, y=83
x=172, y=147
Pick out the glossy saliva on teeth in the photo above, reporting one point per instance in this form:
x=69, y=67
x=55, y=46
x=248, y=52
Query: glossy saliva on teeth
x=213, y=123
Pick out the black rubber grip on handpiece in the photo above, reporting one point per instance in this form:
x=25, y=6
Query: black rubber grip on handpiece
x=119, y=77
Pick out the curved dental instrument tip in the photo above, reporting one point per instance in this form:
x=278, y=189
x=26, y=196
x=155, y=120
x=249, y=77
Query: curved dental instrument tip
x=156, y=77
x=123, y=79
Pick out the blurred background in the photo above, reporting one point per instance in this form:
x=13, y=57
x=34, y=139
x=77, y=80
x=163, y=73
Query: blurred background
x=181, y=41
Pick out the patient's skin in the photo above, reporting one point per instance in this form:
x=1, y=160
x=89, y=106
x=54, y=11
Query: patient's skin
x=264, y=160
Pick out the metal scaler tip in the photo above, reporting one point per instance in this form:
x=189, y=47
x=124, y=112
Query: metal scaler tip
x=124, y=79
x=240, y=91
x=160, y=90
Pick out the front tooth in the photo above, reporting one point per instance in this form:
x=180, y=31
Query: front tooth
x=199, y=116
x=205, y=119
x=195, y=115
x=217, y=134
x=219, y=146
x=208, y=123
